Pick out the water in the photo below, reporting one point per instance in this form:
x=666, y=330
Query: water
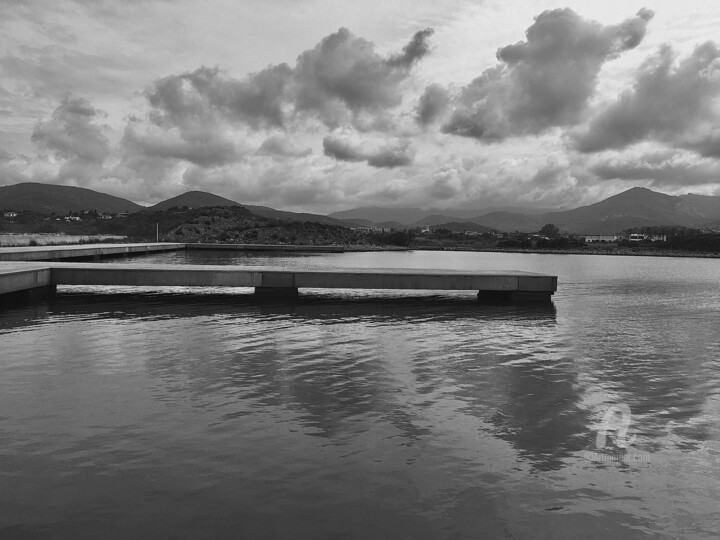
x=368, y=414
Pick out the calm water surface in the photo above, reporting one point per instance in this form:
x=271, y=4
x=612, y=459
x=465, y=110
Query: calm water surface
x=368, y=414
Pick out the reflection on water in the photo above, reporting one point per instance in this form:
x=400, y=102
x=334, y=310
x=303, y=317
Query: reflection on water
x=362, y=414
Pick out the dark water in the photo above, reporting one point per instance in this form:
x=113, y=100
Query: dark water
x=365, y=414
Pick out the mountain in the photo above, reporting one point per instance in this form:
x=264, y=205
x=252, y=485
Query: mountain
x=390, y=225
x=49, y=198
x=435, y=219
x=266, y=211
x=510, y=221
x=462, y=226
x=201, y=199
x=193, y=199
x=358, y=222
x=417, y=217
x=707, y=206
x=636, y=207
x=377, y=214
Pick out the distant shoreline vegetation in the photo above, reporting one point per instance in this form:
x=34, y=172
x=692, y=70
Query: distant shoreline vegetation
x=238, y=225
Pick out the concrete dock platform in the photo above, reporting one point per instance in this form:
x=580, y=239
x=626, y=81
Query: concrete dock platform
x=492, y=286
x=83, y=251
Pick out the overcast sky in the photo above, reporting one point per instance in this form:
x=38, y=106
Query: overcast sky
x=324, y=105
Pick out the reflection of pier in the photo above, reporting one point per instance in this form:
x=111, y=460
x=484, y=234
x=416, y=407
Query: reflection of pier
x=512, y=286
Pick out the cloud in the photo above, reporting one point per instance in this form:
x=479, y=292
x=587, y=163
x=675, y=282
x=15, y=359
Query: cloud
x=343, y=76
x=381, y=154
x=75, y=138
x=667, y=102
x=545, y=81
x=706, y=144
x=418, y=48
x=279, y=145
x=446, y=183
x=209, y=149
x=660, y=168
x=194, y=114
x=206, y=95
x=339, y=78
x=432, y=105
x=201, y=117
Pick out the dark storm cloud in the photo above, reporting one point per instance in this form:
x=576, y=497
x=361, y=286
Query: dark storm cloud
x=544, y=81
x=432, y=104
x=667, y=100
x=387, y=155
x=72, y=132
x=344, y=72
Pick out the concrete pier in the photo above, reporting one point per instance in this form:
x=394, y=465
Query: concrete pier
x=83, y=251
x=492, y=286
x=100, y=251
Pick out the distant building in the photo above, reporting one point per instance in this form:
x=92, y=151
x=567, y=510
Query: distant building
x=601, y=238
x=639, y=237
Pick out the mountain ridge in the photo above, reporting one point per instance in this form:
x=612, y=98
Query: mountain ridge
x=49, y=198
x=635, y=207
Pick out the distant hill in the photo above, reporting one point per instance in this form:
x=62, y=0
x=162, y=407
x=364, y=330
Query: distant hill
x=435, y=219
x=461, y=226
x=358, y=222
x=510, y=221
x=703, y=205
x=417, y=217
x=390, y=225
x=49, y=198
x=635, y=207
x=202, y=199
x=378, y=214
x=283, y=215
x=193, y=199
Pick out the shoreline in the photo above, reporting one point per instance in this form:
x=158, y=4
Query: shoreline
x=51, y=240
x=615, y=252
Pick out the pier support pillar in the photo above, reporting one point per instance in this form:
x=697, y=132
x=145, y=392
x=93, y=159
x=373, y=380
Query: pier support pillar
x=276, y=293
x=514, y=297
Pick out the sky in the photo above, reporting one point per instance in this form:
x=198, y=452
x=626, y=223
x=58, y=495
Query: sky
x=327, y=105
